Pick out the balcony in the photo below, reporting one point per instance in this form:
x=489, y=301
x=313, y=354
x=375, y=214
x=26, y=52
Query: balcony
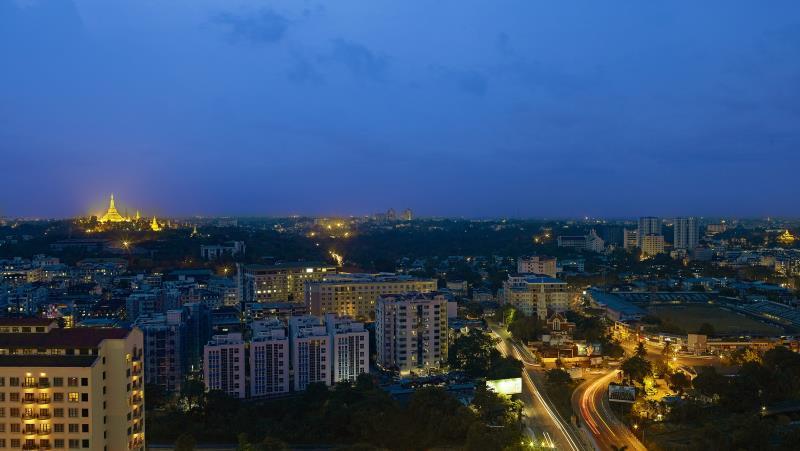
x=43, y=400
x=30, y=385
x=29, y=416
x=27, y=401
x=43, y=432
x=44, y=416
x=137, y=399
x=137, y=414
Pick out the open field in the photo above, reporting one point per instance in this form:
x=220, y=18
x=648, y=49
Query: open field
x=725, y=322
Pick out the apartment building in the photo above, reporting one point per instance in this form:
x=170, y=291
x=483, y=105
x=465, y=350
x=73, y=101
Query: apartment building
x=310, y=350
x=349, y=348
x=411, y=332
x=279, y=282
x=537, y=264
x=70, y=388
x=269, y=359
x=686, y=233
x=355, y=295
x=224, y=364
x=536, y=295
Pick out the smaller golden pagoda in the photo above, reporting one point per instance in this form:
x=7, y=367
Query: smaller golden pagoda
x=786, y=238
x=154, y=225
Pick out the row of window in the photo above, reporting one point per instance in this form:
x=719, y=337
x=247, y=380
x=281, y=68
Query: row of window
x=58, y=443
x=16, y=412
x=73, y=428
x=44, y=398
x=43, y=381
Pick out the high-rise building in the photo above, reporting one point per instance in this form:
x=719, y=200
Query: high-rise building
x=349, y=348
x=652, y=245
x=408, y=215
x=630, y=239
x=310, y=349
x=78, y=388
x=537, y=264
x=164, y=348
x=269, y=359
x=536, y=295
x=355, y=295
x=224, y=364
x=279, y=282
x=411, y=332
x=648, y=225
x=686, y=233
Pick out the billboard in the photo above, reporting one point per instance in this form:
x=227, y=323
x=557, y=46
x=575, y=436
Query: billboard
x=505, y=386
x=621, y=393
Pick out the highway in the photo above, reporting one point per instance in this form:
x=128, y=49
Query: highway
x=545, y=425
x=591, y=401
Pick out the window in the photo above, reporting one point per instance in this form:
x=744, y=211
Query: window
x=72, y=381
x=58, y=443
x=86, y=443
x=73, y=412
x=13, y=381
x=58, y=427
x=73, y=428
x=84, y=382
x=58, y=382
x=84, y=413
x=73, y=396
x=74, y=443
x=85, y=397
x=15, y=443
x=15, y=427
x=84, y=427
x=58, y=397
x=58, y=412
x=13, y=397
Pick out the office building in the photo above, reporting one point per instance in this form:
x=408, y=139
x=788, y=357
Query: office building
x=686, y=233
x=537, y=264
x=216, y=251
x=536, y=295
x=76, y=388
x=279, y=282
x=349, y=348
x=411, y=332
x=355, y=295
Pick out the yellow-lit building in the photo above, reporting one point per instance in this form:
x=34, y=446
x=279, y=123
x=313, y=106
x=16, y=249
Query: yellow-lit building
x=786, y=238
x=70, y=388
x=279, y=282
x=355, y=295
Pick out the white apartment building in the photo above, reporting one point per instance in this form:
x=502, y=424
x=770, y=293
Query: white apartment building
x=411, y=332
x=269, y=359
x=648, y=225
x=537, y=264
x=224, y=364
x=349, y=348
x=310, y=345
x=652, y=245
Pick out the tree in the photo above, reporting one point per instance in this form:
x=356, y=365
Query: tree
x=679, y=382
x=640, y=350
x=706, y=329
x=637, y=368
x=526, y=328
x=474, y=310
x=272, y=444
x=185, y=442
x=558, y=376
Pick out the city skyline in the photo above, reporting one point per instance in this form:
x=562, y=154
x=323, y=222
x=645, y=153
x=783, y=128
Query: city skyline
x=453, y=109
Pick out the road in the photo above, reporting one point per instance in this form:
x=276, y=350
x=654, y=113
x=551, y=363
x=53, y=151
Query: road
x=545, y=425
x=591, y=401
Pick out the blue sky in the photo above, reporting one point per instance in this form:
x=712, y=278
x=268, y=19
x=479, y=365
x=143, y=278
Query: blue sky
x=462, y=108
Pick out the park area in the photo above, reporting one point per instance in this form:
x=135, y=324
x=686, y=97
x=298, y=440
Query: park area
x=725, y=322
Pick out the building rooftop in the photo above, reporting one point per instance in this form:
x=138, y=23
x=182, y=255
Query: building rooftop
x=63, y=338
x=372, y=278
x=288, y=265
x=32, y=322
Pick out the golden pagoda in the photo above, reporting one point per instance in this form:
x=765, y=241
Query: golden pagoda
x=154, y=225
x=138, y=216
x=112, y=215
x=786, y=238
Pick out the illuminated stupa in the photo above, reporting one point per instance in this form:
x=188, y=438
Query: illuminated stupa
x=112, y=215
x=786, y=238
x=154, y=225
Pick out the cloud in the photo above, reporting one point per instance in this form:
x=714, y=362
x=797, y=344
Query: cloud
x=466, y=80
x=360, y=60
x=303, y=71
x=261, y=27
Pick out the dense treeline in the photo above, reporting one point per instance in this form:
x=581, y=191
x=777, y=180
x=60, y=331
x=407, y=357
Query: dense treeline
x=361, y=413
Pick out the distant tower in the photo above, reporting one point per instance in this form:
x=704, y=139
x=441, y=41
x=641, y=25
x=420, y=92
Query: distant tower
x=685, y=233
x=154, y=225
x=391, y=215
x=408, y=215
x=138, y=215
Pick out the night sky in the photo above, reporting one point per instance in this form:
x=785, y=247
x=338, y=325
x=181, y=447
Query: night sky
x=452, y=108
